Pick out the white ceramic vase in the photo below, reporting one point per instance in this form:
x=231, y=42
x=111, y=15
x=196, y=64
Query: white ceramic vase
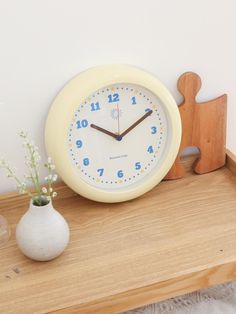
x=42, y=234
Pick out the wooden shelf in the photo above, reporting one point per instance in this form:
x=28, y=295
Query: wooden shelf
x=177, y=238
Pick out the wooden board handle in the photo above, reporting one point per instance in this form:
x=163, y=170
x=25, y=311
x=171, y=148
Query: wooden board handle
x=204, y=126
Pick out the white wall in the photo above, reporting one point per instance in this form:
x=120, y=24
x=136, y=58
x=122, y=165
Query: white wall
x=45, y=43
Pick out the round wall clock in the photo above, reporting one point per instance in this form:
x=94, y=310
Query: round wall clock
x=113, y=133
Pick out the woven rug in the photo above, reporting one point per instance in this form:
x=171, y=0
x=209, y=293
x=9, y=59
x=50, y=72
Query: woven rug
x=219, y=299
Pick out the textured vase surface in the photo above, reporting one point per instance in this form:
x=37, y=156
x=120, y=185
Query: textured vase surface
x=42, y=234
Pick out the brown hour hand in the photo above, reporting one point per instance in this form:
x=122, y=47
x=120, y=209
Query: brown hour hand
x=96, y=127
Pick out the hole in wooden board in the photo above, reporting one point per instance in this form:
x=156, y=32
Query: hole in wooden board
x=188, y=156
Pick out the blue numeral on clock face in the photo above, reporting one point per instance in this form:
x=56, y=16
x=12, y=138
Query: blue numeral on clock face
x=150, y=149
x=86, y=161
x=95, y=106
x=154, y=130
x=120, y=174
x=133, y=100
x=79, y=143
x=137, y=165
x=82, y=124
x=100, y=171
x=113, y=98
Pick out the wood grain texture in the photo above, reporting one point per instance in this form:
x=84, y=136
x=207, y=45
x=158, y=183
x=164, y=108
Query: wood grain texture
x=164, y=290
x=179, y=237
x=203, y=126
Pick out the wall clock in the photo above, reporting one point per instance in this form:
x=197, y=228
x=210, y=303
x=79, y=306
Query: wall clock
x=113, y=132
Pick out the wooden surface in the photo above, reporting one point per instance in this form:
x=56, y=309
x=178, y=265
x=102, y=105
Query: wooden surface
x=231, y=161
x=177, y=238
x=203, y=126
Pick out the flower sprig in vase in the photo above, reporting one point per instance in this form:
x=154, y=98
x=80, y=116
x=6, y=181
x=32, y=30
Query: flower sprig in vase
x=41, y=195
x=42, y=233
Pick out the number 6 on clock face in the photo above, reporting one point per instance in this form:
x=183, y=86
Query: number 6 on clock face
x=113, y=132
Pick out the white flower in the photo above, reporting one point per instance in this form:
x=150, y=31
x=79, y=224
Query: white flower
x=49, y=177
x=54, y=178
x=31, y=143
x=23, y=133
x=44, y=190
x=49, y=164
x=54, y=194
x=36, y=156
x=26, y=142
x=51, y=167
x=21, y=188
x=2, y=163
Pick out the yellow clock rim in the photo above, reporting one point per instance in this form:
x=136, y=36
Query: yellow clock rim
x=74, y=93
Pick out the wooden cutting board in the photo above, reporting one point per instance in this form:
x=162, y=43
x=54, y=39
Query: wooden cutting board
x=204, y=126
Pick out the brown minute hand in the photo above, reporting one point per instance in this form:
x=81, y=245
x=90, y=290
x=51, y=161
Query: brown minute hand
x=136, y=123
x=103, y=130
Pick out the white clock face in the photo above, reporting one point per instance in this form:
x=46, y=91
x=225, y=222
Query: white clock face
x=117, y=136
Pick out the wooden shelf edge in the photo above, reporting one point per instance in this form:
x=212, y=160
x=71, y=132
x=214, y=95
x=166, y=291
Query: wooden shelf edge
x=157, y=292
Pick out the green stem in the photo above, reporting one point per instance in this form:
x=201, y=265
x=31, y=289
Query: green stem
x=50, y=182
x=36, y=181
